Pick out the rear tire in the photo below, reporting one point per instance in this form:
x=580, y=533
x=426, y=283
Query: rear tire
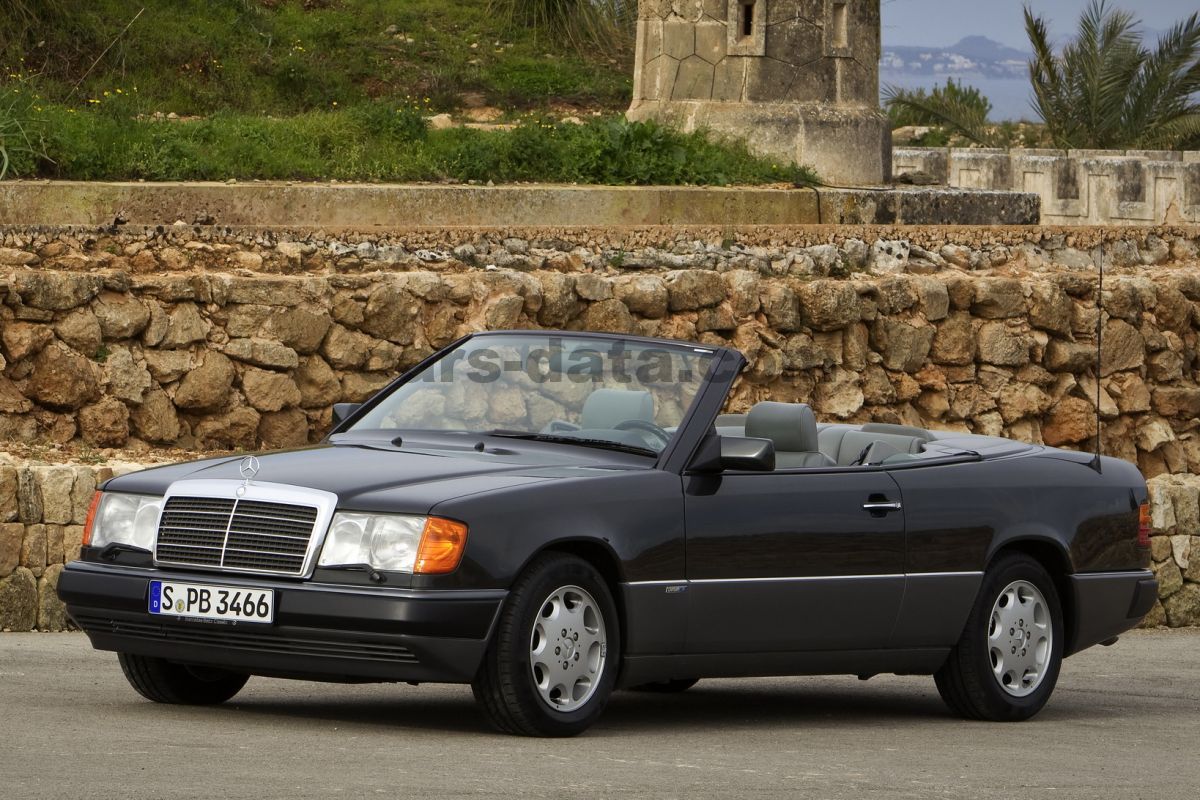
x=1005, y=665
x=178, y=684
x=559, y=608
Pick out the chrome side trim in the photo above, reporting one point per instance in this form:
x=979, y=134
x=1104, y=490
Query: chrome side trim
x=807, y=578
x=801, y=579
x=325, y=503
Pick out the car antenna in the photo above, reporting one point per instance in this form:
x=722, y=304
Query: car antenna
x=1096, y=462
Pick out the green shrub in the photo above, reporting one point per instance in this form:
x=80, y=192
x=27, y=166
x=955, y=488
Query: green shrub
x=604, y=24
x=379, y=142
x=199, y=57
x=404, y=124
x=918, y=107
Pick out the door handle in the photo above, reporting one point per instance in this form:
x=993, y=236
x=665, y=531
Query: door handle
x=882, y=508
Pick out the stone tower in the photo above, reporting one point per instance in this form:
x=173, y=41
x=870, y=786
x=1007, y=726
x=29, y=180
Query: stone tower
x=797, y=79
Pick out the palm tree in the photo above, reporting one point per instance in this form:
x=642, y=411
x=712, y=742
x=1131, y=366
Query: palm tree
x=1106, y=90
x=956, y=107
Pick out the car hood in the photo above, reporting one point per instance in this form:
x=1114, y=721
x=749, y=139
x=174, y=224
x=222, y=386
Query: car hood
x=371, y=479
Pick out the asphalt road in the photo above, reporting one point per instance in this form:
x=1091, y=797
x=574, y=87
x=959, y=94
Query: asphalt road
x=1124, y=723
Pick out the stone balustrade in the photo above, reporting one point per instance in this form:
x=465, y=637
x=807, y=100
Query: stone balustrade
x=1077, y=187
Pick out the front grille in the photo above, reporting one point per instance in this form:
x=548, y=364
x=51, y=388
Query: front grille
x=299, y=643
x=249, y=535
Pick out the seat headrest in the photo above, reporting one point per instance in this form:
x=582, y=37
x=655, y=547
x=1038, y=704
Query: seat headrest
x=606, y=408
x=792, y=426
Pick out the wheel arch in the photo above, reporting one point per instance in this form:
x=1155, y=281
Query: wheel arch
x=601, y=556
x=1054, y=558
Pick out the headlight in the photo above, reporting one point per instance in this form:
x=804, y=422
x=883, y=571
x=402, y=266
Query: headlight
x=394, y=543
x=127, y=519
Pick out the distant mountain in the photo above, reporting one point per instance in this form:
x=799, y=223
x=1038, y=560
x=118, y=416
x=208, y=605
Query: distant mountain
x=984, y=49
x=974, y=54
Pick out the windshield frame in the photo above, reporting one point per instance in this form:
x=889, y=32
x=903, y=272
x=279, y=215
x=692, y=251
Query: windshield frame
x=698, y=418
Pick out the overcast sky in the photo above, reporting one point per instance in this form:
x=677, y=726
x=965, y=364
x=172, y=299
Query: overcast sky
x=938, y=23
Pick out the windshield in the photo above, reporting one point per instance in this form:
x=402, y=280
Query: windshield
x=577, y=389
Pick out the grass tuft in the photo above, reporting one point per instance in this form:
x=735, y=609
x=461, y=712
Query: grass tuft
x=376, y=143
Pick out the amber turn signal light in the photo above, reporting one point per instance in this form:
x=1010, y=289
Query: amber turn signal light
x=1144, y=526
x=442, y=544
x=91, y=519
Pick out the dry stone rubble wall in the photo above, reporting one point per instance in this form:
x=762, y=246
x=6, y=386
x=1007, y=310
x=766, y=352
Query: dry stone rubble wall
x=124, y=342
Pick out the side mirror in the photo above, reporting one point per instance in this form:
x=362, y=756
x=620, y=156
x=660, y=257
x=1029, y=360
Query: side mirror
x=719, y=453
x=343, y=411
x=754, y=455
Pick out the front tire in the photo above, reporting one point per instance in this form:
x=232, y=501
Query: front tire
x=178, y=684
x=1007, y=661
x=552, y=663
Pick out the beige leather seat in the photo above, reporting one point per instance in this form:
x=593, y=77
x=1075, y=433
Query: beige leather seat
x=845, y=445
x=793, y=429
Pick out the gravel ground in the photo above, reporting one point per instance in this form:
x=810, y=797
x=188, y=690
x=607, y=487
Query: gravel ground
x=1124, y=723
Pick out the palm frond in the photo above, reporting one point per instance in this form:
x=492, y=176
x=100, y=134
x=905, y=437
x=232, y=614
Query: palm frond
x=1105, y=89
x=1182, y=132
x=1099, y=63
x=1045, y=74
x=964, y=112
x=1164, y=90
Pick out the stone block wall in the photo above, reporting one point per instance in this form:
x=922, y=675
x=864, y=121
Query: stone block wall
x=1175, y=547
x=134, y=344
x=796, y=80
x=1077, y=187
x=758, y=51
x=207, y=339
x=42, y=511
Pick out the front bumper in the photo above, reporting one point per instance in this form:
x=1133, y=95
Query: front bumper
x=1108, y=604
x=322, y=631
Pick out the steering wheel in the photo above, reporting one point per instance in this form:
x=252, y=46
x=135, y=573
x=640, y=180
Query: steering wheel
x=644, y=426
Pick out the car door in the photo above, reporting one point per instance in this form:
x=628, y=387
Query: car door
x=793, y=561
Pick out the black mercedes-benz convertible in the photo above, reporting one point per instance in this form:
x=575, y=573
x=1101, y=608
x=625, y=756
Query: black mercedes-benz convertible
x=552, y=516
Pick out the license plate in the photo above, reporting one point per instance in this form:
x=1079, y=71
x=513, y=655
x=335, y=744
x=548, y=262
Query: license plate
x=202, y=601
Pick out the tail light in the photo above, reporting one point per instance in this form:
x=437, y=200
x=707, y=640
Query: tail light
x=1144, y=529
x=91, y=519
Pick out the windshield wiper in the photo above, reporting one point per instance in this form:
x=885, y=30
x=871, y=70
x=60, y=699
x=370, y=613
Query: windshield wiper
x=604, y=444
